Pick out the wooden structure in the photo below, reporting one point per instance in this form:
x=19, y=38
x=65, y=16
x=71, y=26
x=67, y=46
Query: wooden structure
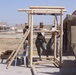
x=44, y=10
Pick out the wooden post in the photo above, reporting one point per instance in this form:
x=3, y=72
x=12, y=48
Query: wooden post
x=61, y=36
x=55, y=39
x=31, y=38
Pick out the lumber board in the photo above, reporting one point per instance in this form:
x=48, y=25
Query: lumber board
x=61, y=38
x=18, y=48
x=56, y=64
x=43, y=62
x=46, y=31
x=34, y=70
x=47, y=7
x=42, y=11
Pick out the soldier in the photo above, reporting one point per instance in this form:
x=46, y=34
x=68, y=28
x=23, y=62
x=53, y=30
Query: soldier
x=40, y=42
x=26, y=41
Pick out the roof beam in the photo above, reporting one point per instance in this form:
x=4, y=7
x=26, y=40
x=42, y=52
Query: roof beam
x=42, y=11
x=46, y=7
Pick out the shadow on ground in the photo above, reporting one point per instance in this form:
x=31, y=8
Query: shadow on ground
x=68, y=68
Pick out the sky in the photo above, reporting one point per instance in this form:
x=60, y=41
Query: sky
x=9, y=10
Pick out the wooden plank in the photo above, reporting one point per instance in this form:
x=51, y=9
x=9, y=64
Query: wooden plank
x=46, y=31
x=56, y=64
x=56, y=59
x=34, y=70
x=14, y=50
x=47, y=11
x=43, y=62
x=31, y=39
x=42, y=11
x=61, y=37
x=43, y=57
x=46, y=7
x=55, y=38
x=24, y=10
x=17, y=50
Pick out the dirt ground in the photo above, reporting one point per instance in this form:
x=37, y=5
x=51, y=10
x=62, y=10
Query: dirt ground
x=11, y=44
x=8, y=44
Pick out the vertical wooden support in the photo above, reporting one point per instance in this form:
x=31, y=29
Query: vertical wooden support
x=61, y=36
x=55, y=45
x=55, y=39
x=31, y=38
x=55, y=20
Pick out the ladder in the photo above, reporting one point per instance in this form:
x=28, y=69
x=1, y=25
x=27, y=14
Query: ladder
x=16, y=51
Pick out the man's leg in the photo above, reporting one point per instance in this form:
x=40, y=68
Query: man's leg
x=39, y=52
x=43, y=46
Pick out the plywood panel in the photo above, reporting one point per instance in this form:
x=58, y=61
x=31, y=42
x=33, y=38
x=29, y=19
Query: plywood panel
x=73, y=34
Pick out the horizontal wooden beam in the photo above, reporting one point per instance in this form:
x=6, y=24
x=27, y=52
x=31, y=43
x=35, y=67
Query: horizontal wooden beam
x=25, y=10
x=47, y=7
x=49, y=31
x=42, y=11
x=43, y=62
x=47, y=11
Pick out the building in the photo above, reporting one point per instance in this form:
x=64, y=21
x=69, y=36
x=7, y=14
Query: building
x=19, y=28
x=69, y=27
x=4, y=26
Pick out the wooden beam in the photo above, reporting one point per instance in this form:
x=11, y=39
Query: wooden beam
x=24, y=10
x=61, y=37
x=42, y=11
x=18, y=48
x=34, y=70
x=46, y=7
x=49, y=31
x=56, y=64
x=43, y=62
x=55, y=38
x=31, y=38
x=56, y=59
x=14, y=51
x=47, y=11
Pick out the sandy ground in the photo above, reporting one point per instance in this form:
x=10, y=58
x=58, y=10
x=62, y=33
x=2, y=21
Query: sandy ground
x=14, y=70
x=68, y=68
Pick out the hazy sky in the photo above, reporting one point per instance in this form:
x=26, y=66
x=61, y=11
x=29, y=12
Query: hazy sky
x=9, y=13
